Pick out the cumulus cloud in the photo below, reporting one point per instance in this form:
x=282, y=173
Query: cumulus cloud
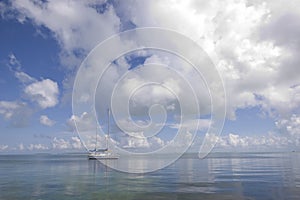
x=3, y=8
x=15, y=67
x=13, y=63
x=8, y=108
x=73, y=143
x=3, y=147
x=60, y=143
x=182, y=141
x=33, y=147
x=269, y=141
x=137, y=141
x=63, y=144
x=289, y=126
x=76, y=143
x=15, y=112
x=255, y=55
x=23, y=77
x=82, y=123
x=46, y=121
x=78, y=26
x=44, y=93
x=21, y=147
x=241, y=38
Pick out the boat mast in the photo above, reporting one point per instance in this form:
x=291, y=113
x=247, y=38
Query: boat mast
x=107, y=128
x=96, y=137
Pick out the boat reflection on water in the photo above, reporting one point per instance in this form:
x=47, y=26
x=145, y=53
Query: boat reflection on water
x=219, y=176
x=137, y=163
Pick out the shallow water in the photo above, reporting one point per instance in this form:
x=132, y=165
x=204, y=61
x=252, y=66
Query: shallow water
x=220, y=176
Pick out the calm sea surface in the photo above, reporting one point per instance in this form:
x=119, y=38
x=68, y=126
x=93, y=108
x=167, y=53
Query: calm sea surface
x=220, y=176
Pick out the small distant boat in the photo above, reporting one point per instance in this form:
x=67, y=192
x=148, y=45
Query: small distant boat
x=103, y=153
x=99, y=154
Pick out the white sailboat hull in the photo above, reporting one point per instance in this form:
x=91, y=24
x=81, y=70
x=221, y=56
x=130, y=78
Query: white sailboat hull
x=102, y=155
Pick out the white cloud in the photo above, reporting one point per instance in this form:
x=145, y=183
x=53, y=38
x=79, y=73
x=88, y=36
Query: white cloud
x=14, y=63
x=157, y=141
x=258, y=59
x=44, y=93
x=3, y=147
x=137, y=141
x=15, y=66
x=33, y=147
x=21, y=147
x=46, y=121
x=15, y=112
x=236, y=36
x=235, y=140
x=60, y=143
x=140, y=143
x=78, y=26
x=7, y=108
x=76, y=143
x=3, y=9
x=82, y=123
x=181, y=141
x=23, y=77
x=269, y=141
x=289, y=126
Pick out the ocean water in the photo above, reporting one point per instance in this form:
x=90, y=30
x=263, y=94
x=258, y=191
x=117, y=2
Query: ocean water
x=219, y=176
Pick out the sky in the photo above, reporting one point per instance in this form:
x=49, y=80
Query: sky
x=46, y=54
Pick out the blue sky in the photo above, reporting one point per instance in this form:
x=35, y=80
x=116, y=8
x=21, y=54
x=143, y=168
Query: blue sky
x=253, y=46
x=36, y=52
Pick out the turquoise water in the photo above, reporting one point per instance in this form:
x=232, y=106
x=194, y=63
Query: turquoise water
x=220, y=176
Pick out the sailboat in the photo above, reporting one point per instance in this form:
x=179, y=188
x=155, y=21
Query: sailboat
x=105, y=153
